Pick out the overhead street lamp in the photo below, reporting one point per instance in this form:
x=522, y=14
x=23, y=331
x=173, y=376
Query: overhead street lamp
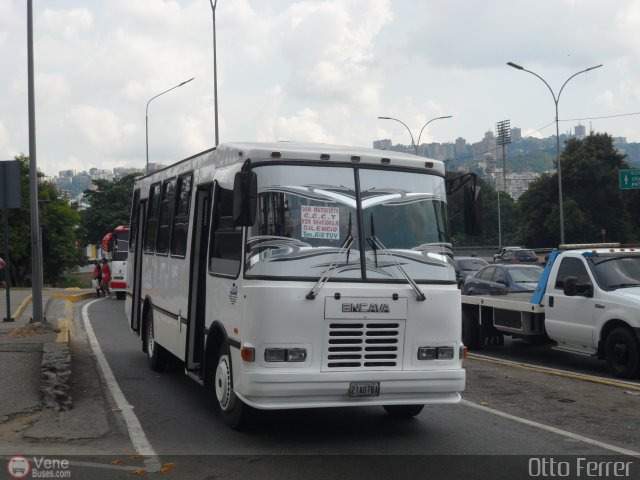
x=147, y=117
x=556, y=100
x=415, y=146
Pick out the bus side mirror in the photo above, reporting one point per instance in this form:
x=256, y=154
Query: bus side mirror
x=472, y=210
x=245, y=199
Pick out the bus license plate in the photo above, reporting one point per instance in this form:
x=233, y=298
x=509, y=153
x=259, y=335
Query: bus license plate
x=361, y=389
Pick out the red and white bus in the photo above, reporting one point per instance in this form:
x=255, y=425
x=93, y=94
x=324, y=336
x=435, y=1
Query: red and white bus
x=115, y=247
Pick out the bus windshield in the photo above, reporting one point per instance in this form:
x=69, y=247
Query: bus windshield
x=121, y=249
x=306, y=214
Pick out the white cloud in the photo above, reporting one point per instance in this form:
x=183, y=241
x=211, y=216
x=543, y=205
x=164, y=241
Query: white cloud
x=607, y=99
x=101, y=129
x=303, y=126
x=53, y=89
x=68, y=23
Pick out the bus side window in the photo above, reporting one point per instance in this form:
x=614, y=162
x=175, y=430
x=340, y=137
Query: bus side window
x=180, y=227
x=166, y=216
x=133, y=226
x=151, y=227
x=226, y=240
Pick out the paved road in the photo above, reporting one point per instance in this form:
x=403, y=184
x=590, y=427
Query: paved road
x=500, y=416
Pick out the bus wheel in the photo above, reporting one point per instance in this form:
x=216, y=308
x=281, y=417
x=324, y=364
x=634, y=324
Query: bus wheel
x=622, y=353
x=403, y=411
x=155, y=353
x=120, y=295
x=233, y=411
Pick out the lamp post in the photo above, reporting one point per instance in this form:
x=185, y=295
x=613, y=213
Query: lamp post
x=555, y=101
x=146, y=118
x=415, y=146
x=215, y=69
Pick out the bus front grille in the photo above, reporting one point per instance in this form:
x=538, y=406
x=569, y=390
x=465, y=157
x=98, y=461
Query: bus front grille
x=363, y=345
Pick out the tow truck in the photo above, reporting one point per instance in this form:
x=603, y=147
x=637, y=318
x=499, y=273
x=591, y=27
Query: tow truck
x=587, y=302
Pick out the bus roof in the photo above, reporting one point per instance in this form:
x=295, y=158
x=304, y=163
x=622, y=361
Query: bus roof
x=238, y=152
x=336, y=153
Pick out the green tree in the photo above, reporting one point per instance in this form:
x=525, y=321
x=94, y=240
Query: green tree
x=592, y=199
x=509, y=217
x=109, y=206
x=58, y=223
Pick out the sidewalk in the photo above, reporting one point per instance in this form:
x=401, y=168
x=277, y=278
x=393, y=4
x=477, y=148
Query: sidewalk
x=49, y=397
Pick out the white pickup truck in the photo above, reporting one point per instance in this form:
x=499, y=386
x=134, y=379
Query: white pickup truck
x=587, y=301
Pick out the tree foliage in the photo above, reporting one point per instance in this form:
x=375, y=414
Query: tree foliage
x=58, y=223
x=109, y=206
x=592, y=199
x=509, y=217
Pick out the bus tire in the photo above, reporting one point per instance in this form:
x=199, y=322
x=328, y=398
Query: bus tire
x=403, y=411
x=234, y=412
x=155, y=352
x=470, y=331
x=622, y=353
x=120, y=295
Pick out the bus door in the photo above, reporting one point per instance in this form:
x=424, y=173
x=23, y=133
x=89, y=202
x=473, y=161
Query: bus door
x=136, y=300
x=197, y=281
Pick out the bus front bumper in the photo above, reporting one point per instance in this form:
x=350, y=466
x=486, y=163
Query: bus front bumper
x=277, y=390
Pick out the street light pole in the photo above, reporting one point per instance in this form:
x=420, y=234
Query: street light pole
x=437, y=118
x=36, y=236
x=215, y=69
x=556, y=100
x=415, y=146
x=146, y=117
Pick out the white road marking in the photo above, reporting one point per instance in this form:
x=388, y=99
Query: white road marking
x=136, y=433
x=564, y=433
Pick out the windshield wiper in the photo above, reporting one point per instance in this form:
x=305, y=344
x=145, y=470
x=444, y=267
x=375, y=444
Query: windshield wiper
x=377, y=245
x=345, y=248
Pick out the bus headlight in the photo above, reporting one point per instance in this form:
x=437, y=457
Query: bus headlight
x=275, y=354
x=296, y=355
x=433, y=353
x=445, y=353
x=285, y=354
x=426, y=353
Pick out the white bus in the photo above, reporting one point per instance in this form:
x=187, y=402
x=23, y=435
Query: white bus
x=292, y=275
x=115, y=247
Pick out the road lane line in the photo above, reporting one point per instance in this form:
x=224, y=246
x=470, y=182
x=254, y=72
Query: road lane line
x=21, y=307
x=559, y=373
x=136, y=433
x=564, y=433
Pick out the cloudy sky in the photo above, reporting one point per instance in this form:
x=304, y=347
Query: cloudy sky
x=311, y=70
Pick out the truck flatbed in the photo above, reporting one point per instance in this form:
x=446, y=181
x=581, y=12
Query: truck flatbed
x=520, y=302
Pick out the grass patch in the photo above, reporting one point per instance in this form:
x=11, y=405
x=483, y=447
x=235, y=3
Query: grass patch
x=75, y=281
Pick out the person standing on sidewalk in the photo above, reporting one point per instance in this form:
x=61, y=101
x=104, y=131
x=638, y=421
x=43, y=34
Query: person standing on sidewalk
x=106, y=277
x=96, y=280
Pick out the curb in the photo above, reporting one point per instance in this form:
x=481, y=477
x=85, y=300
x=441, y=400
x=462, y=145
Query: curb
x=56, y=374
x=74, y=298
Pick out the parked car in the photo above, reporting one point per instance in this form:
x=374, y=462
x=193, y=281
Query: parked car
x=502, y=279
x=466, y=266
x=502, y=251
x=519, y=256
